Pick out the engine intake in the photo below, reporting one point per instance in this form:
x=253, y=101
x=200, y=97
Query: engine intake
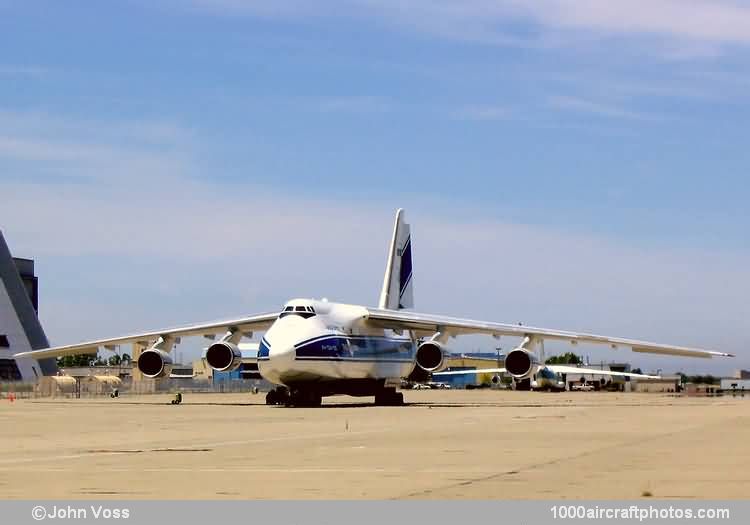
x=430, y=356
x=155, y=363
x=519, y=363
x=223, y=356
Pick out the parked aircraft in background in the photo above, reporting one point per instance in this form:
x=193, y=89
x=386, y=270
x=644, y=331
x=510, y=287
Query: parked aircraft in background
x=543, y=376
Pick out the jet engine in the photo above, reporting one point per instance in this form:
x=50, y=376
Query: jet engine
x=155, y=363
x=430, y=356
x=223, y=356
x=520, y=363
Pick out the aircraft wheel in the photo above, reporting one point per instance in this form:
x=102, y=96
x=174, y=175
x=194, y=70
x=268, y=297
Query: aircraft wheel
x=278, y=396
x=304, y=398
x=271, y=398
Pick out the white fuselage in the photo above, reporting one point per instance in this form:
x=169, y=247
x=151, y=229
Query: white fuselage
x=331, y=342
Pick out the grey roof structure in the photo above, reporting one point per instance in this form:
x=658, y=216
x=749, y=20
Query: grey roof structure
x=19, y=322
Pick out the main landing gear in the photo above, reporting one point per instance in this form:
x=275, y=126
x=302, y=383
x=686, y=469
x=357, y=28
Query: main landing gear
x=389, y=397
x=294, y=397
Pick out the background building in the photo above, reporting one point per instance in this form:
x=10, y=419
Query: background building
x=665, y=384
x=735, y=385
x=20, y=330
x=471, y=361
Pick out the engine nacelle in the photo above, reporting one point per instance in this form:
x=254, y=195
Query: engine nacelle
x=430, y=356
x=155, y=363
x=520, y=363
x=224, y=356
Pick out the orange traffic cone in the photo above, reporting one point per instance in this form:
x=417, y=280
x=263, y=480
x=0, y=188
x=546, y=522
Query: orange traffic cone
x=11, y=397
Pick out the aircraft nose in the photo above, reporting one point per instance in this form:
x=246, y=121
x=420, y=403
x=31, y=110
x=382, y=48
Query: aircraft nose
x=277, y=359
x=282, y=353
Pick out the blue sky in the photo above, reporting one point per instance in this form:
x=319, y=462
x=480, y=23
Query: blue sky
x=572, y=164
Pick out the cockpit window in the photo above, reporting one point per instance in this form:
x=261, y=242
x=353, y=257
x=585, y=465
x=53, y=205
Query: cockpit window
x=305, y=312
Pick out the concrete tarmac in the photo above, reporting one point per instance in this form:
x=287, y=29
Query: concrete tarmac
x=443, y=445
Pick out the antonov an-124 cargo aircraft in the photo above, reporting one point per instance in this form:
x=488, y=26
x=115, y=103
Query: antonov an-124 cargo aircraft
x=317, y=348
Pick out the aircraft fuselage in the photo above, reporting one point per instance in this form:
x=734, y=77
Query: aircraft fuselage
x=321, y=342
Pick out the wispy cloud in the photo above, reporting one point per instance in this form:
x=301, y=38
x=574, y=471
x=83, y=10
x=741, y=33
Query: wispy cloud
x=698, y=27
x=45, y=150
x=720, y=21
x=25, y=71
x=53, y=150
x=581, y=105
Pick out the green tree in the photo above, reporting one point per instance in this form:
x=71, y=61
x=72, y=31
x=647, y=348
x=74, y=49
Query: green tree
x=69, y=361
x=699, y=379
x=568, y=358
x=707, y=379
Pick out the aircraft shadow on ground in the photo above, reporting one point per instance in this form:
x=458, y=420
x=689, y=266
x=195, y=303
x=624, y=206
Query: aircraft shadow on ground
x=421, y=404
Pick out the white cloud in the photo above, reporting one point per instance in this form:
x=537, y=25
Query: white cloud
x=143, y=246
x=721, y=21
x=43, y=125
x=698, y=25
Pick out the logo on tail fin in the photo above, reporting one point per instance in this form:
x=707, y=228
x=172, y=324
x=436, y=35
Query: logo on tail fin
x=405, y=275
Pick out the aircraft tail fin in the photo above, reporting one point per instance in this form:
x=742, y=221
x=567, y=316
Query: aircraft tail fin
x=398, y=284
x=20, y=329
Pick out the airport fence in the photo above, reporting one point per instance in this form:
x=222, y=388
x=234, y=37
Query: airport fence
x=16, y=390
x=161, y=386
x=23, y=390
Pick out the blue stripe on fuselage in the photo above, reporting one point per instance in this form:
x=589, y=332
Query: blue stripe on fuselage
x=263, y=350
x=356, y=348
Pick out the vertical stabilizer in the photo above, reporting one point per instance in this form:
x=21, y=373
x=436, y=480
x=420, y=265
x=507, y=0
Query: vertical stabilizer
x=20, y=330
x=398, y=284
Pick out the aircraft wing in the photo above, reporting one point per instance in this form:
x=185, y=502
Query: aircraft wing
x=565, y=369
x=428, y=323
x=558, y=369
x=244, y=324
x=475, y=371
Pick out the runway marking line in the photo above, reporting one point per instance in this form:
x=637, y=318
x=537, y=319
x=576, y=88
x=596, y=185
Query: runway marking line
x=193, y=447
